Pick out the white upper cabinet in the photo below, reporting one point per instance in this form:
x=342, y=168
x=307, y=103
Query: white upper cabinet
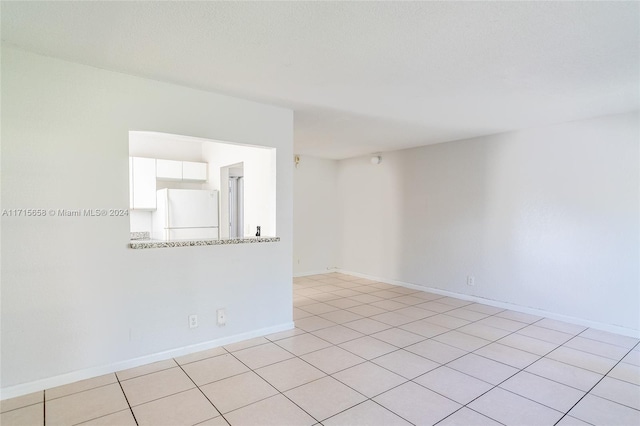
x=181, y=170
x=142, y=183
x=194, y=171
x=169, y=169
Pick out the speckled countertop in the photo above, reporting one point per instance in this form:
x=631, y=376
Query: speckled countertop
x=149, y=244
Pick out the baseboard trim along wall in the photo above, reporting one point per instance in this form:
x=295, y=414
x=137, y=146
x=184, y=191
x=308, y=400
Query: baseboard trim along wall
x=63, y=379
x=539, y=312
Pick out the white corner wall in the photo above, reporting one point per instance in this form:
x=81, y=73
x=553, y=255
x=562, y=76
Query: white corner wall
x=546, y=219
x=316, y=221
x=76, y=300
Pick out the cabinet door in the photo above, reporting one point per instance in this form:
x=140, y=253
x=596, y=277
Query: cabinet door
x=169, y=169
x=194, y=171
x=144, y=183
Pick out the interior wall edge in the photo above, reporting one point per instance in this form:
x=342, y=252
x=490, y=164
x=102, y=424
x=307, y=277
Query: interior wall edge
x=630, y=332
x=63, y=379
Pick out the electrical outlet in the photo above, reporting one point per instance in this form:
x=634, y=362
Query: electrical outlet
x=193, y=321
x=471, y=280
x=222, y=317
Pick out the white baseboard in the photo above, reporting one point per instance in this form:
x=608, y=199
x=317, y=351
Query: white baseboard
x=63, y=379
x=306, y=274
x=505, y=305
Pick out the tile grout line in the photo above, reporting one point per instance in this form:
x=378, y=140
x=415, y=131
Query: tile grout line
x=126, y=399
x=598, y=382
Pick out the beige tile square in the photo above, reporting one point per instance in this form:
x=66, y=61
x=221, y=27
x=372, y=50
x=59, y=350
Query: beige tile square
x=302, y=344
x=511, y=409
x=313, y=323
x=238, y=391
x=366, y=298
x=392, y=318
x=367, y=326
x=546, y=334
x=599, y=411
x=595, y=347
x=632, y=358
x=626, y=372
x=341, y=316
x=466, y=314
x=436, y=351
x=611, y=338
x=483, y=368
x=366, y=310
x=274, y=411
x=483, y=331
x=189, y=407
x=367, y=347
x=244, y=344
x=318, y=308
x=366, y=414
x=299, y=313
x=406, y=364
x=389, y=305
x=467, y=417
x=424, y=328
x=332, y=359
x=508, y=355
x=259, y=356
x=485, y=309
x=519, y=316
x=369, y=379
x=156, y=385
x=502, y=323
x=454, y=301
x=284, y=334
x=462, y=341
x=212, y=369
x=348, y=293
x=24, y=416
x=581, y=359
x=566, y=374
x=457, y=386
x=388, y=294
x=447, y=321
x=83, y=406
x=571, y=421
x=324, y=398
x=289, y=374
x=80, y=386
x=121, y=418
x=436, y=306
x=21, y=401
x=618, y=391
x=344, y=303
x=146, y=369
x=408, y=300
x=424, y=295
x=415, y=313
x=528, y=344
x=562, y=326
x=337, y=334
x=416, y=404
x=200, y=355
x=545, y=391
x=398, y=337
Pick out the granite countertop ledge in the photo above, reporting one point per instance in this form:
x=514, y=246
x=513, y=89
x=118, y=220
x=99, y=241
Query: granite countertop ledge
x=150, y=244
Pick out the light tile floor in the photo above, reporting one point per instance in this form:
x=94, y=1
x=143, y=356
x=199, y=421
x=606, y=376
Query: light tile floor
x=369, y=353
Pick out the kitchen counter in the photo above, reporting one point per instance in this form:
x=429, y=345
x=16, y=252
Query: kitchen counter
x=150, y=244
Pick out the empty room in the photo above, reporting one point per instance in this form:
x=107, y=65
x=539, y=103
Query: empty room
x=320, y=213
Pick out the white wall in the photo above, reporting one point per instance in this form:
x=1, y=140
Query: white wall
x=76, y=300
x=316, y=222
x=545, y=218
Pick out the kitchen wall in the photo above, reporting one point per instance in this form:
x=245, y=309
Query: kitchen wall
x=316, y=218
x=76, y=301
x=259, y=184
x=545, y=218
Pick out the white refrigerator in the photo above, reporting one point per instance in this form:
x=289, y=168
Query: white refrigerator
x=185, y=214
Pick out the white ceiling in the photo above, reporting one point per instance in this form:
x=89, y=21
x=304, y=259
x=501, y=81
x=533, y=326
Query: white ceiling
x=364, y=77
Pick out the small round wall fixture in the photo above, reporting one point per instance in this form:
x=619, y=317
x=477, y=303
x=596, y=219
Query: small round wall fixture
x=376, y=159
